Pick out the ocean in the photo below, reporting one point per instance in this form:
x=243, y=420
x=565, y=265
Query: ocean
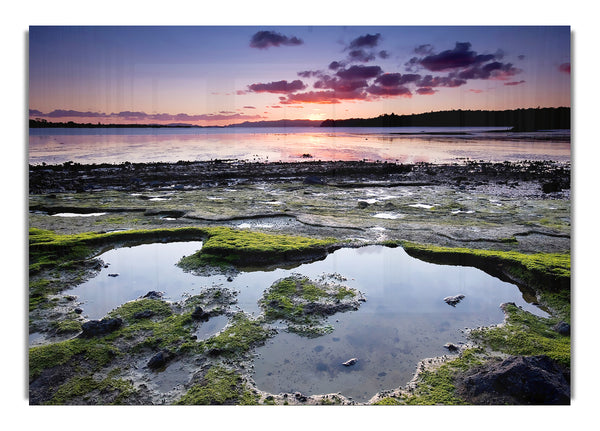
x=393, y=144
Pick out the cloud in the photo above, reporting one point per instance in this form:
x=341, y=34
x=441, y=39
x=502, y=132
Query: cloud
x=249, y=107
x=35, y=112
x=440, y=81
x=565, y=68
x=335, y=65
x=382, y=91
x=265, y=39
x=361, y=55
x=282, y=87
x=368, y=40
x=395, y=79
x=425, y=91
x=343, y=85
x=359, y=72
x=459, y=57
x=424, y=49
x=514, y=82
x=383, y=54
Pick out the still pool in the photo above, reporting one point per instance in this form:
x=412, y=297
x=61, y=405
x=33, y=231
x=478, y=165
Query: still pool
x=404, y=319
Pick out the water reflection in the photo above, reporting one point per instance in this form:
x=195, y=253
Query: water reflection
x=404, y=320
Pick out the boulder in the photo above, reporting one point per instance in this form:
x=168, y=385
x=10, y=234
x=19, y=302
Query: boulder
x=516, y=380
x=158, y=361
x=153, y=295
x=95, y=328
x=563, y=328
x=453, y=300
x=314, y=180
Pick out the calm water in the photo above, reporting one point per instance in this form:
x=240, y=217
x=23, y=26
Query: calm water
x=56, y=146
x=403, y=321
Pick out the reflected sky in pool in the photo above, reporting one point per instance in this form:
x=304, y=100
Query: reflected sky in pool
x=403, y=321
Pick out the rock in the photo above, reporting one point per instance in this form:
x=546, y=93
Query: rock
x=94, y=328
x=389, y=206
x=200, y=314
x=230, y=279
x=145, y=314
x=563, y=328
x=551, y=187
x=113, y=275
x=78, y=310
x=350, y=362
x=452, y=347
x=153, y=295
x=453, y=300
x=158, y=361
x=362, y=204
x=516, y=380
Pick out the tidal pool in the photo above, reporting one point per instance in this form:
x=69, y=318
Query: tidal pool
x=404, y=320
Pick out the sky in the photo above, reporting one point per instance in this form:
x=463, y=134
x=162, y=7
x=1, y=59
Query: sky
x=218, y=75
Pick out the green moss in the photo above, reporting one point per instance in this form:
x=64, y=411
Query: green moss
x=388, y=401
x=160, y=309
x=67, y=326
x=243, y=334
x=219, y=386
x=50, y=355
x=436, y=387
x=526, y=334
x=86, y=386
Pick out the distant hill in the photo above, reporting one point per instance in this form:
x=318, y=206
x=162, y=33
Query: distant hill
x=521, y=120
x=279, y=123
x=44, y=124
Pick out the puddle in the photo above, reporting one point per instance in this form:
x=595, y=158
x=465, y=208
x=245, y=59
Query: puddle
x=404, y=320
x=211, y=327
x=78, y=214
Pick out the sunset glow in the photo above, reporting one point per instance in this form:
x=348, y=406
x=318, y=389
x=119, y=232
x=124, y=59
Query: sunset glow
x=227, y=75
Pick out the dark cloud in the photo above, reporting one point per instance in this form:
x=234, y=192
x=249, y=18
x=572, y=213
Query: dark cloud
x=440, y=81
x=249, y=107
x=368, y=40
x=521, y=57
x=309, y=73
x=424, y=49
x=335, y=65
x=360, y=55
x=382, y=91
x=278, y=87
x=383, y=54
x=359, y=72
x=34, y=112
x=343, y=85
x=264, y=39
x=396, y=79
x=425, y=91
x=514, y=82
x=565, y=68
x=459, y=57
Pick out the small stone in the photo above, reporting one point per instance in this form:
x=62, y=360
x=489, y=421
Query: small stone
x=350, y=362
x=113, y=275
x=453, y=300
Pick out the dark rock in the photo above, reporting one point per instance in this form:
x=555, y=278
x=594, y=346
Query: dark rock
x=362, y=204
x=563, y=328
x=94, y=328
x=551, y=187
x=113, y=275
x=389, y=206
x=452, y=347
x=78, y=310
x=153, y=295
x=145, y=314
x=200, y=314
x=158, y=361
x=230, y=279
x=453, y=300
x=516, y=380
